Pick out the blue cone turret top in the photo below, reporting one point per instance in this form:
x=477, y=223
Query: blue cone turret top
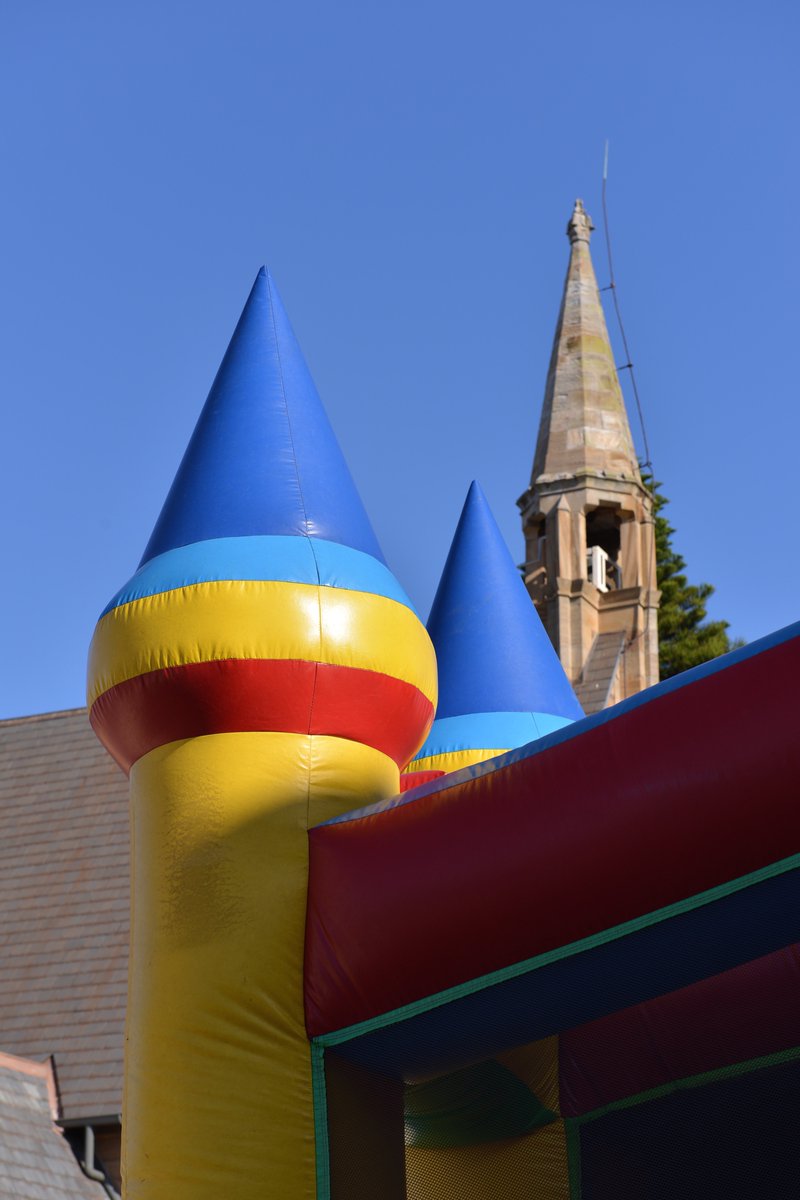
x=263, y=458
x=492, y=649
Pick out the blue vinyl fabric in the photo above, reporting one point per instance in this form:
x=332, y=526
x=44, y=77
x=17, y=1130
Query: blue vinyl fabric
x=261, y=556
x=263, y=457
x=555, y=993
x=493, y=652
x=487, y=730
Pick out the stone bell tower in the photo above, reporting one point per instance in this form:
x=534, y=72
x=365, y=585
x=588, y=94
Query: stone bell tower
x=587, y=518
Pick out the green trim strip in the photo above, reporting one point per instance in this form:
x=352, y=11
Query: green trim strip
x=321, y=1143
x=460, y=990
x=691, y=1081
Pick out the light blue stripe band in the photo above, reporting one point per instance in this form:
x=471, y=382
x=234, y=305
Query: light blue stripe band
x=489, y=731
x=280, y=557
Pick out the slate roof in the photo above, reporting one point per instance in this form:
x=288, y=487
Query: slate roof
x=36, y=1162
x=64, y=870
x=596, y=684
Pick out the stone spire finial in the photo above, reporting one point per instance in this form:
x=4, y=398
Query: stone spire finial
x=580, y=225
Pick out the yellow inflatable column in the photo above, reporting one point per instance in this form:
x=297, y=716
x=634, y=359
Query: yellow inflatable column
x=261, y=672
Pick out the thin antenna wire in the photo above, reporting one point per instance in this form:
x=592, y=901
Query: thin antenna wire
x=612, y=287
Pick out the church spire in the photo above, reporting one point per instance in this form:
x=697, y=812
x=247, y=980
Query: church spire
x=587, y=519
x=584, y=429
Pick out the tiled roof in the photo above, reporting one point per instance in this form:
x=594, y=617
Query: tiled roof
x=64, y=906
x=36, y=1162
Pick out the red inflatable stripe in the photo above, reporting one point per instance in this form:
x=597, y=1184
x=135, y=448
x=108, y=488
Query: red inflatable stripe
x=748, y=1012
x=417, y=778
x=245, y=695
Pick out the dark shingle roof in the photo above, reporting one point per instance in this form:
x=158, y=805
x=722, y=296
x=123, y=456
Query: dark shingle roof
x=36, y=1162
x=64, y=906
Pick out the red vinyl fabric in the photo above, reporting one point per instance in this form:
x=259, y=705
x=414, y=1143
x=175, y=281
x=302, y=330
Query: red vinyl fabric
x=746, y=1013
x=282, y=695
x=415, y=779
x=624, y=815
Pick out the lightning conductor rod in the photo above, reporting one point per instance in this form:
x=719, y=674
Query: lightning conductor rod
x=612, y=287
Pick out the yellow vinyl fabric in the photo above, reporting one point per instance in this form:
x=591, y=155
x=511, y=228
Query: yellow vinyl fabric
x=517, y=1168
x=256, y=619
x=218, y=1089
x=537, y=1066
x=533, y=1167
x=218, y=1069
x=452, y=760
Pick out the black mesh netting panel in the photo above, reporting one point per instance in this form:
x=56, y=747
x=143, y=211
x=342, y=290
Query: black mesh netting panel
x=521, y=1168
x=490, y=1129
x=733, y=1139
x=479, y=1132
x=497, y=1129
x=736, y=1139
x=365, y=1132
x=447, y=1147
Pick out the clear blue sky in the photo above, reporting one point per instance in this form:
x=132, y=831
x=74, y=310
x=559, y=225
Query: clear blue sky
x=407, y=171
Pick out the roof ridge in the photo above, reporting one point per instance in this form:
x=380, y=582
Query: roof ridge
x=45, y=716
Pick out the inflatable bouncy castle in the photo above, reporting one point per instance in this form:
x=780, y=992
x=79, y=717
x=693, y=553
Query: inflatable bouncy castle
x=420, y=931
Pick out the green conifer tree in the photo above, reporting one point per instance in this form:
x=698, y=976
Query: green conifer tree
x=685, y=637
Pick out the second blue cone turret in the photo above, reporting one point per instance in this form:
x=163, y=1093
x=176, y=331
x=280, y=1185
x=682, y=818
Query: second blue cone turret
x=501, y=683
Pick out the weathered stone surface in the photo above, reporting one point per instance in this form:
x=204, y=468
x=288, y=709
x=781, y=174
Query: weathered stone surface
x=586, y=490
x=584, y=426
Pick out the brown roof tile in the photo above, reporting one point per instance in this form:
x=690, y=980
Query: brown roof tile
x=64, y=907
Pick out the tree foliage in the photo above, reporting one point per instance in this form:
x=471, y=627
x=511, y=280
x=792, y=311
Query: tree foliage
x=685, y=637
